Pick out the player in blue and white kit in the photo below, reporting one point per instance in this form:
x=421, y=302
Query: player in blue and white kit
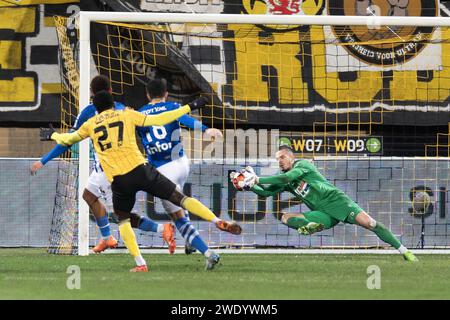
x=164, y=151
x=98, y=186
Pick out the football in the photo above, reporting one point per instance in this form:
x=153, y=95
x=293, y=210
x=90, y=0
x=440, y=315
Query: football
x=238, y=181
x=421, y=202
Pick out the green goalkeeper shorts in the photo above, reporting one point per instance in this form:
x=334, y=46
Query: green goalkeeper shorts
x=342, y=208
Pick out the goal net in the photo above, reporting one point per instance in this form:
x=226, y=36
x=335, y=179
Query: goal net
x=364, y=97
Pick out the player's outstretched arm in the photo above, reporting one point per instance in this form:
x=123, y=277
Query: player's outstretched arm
x=54, y=153
x=170, y=116
x=283, y=178
x=66, y=139
x=58, y=149
x=165, y=117
x=192, y=123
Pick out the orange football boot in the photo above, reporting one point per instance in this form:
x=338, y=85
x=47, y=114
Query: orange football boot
x=169, y=237
x=231, y=227
x=111, y=242
x=142, y=268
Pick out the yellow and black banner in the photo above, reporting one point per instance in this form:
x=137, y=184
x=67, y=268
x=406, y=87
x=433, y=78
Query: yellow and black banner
x=30, y=84
x=300, y=75
x=291, y=75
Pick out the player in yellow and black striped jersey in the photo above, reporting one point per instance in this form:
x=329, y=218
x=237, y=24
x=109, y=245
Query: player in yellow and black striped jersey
x=114, y=138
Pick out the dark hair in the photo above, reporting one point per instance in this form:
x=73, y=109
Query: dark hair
x=285, y=147
x=102, y=101
x=157, y=88
x=100, y=83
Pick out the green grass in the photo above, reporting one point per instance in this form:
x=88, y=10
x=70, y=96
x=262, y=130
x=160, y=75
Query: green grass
x=34, y=274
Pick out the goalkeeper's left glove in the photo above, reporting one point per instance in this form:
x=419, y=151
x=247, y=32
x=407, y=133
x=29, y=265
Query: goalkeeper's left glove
x=242, y=180
x=250, y=178
x=250, y=174
x=46, y=133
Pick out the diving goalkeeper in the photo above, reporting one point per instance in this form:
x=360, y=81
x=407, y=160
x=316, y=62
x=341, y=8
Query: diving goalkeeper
x=329, y=205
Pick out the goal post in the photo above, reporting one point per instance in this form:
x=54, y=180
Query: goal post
x=86, y=18
x=83, y=171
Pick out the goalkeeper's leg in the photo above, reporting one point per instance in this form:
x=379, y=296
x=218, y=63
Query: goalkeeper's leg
x=309, y=222
x=366, y=221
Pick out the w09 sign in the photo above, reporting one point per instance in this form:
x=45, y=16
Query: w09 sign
x=335, y=145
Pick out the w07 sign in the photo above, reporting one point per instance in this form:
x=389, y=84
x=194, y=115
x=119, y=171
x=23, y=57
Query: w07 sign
x=334, y=145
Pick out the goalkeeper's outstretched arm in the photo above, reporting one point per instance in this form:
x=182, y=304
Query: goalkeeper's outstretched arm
x=269, y=191
x=283, y=178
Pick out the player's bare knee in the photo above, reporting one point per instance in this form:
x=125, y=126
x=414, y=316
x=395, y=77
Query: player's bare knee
x=372, y=223
x=89, y=197
x=366, y=221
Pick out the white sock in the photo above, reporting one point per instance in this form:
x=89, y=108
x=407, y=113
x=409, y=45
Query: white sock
x=140, y=261
x=208, y=253
x=160, y=228
x=402, y=249
x=214, y=220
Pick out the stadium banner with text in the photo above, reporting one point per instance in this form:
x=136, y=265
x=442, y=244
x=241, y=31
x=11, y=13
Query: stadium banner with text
x=334, y=145
x=30, y=82
x=392, y=76
x=404, y=82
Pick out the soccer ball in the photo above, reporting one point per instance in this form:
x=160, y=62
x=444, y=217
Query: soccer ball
x=421, y=202
x=238, y=181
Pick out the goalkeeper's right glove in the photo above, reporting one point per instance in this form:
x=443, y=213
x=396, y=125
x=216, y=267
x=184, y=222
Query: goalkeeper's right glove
x=46, y=133
x=198, y=103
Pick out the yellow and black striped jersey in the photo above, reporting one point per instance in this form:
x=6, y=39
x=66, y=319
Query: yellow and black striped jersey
x=113, y=133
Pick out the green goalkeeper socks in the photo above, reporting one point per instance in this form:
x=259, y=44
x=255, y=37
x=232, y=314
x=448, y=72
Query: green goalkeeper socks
x=297, y=222
x=386, y=235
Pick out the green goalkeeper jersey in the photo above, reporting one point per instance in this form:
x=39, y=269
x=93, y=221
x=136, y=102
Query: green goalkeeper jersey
x=308, y=185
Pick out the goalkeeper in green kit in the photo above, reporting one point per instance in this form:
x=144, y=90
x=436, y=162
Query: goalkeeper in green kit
x=329, y=205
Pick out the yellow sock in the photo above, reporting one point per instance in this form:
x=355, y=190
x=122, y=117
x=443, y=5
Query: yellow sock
x=129, y=237
x=196, y=207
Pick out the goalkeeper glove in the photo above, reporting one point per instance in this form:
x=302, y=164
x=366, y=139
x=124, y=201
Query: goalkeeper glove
x=243, y=180
x=250, y=175
x=250, y=179
x=238, y=180
x=198, y=103
x=46, y=133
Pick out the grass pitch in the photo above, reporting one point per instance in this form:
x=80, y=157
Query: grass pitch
x=34, y=274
